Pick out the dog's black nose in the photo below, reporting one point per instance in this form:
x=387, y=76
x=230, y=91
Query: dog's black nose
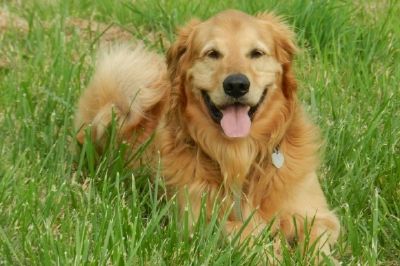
x=236, y=85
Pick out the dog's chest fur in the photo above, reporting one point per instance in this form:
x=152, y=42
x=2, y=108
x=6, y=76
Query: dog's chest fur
x=201, y=159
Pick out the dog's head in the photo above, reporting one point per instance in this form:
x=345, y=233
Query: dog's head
x=232, y=67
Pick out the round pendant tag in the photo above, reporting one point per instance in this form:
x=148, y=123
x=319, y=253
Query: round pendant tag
x=277, y=159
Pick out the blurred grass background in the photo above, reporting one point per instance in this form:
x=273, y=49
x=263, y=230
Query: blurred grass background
x=57, y=206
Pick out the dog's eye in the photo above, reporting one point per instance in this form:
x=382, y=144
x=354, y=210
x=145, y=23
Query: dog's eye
x=256, y=53
x=214, y=54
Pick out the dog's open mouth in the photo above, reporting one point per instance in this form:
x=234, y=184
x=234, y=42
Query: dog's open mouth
x=235, y=119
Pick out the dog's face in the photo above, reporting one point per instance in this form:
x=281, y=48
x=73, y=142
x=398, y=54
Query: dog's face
x=230, y=64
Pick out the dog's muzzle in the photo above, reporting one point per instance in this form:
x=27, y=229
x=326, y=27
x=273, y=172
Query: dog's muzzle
x=235, y=119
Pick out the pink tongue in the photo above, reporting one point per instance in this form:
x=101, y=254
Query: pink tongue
x=236, y=121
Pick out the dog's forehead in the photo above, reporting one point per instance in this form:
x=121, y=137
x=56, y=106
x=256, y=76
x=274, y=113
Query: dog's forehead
x=231, y=27
x=232, y=15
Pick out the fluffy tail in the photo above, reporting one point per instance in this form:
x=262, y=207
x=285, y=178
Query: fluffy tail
x=130, y=83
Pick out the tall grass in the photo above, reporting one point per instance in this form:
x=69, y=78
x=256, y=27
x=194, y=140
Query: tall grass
x=61, y=205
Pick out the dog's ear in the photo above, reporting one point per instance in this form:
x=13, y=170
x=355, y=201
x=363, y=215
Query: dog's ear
x=180, y=47
x=283, y=36
x=285, y=49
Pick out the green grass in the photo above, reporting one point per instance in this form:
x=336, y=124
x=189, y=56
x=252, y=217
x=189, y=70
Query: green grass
x=60, y=205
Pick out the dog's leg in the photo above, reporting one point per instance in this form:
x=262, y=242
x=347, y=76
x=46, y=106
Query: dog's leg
x=314, y=233
x=199, y=198
x=306, y=217
x=251, y=230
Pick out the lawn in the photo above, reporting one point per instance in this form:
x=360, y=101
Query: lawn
x=63, y=205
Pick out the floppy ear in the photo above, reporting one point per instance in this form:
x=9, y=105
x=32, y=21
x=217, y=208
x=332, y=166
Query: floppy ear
x=180, y=47
x=283, y=36
x=285, y=49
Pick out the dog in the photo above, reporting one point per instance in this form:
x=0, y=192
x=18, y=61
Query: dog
x=226, y=120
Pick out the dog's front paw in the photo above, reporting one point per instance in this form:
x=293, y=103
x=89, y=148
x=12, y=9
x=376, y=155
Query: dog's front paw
x=325, y=257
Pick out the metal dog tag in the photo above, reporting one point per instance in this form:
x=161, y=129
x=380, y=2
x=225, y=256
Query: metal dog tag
x=277, y=158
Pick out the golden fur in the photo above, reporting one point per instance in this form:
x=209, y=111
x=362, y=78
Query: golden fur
x=198, y=159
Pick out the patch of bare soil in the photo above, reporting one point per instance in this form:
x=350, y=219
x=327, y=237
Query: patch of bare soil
x=12, y=21
x=108, y=33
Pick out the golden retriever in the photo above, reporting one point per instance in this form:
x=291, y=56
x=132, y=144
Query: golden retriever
x=227, y=123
